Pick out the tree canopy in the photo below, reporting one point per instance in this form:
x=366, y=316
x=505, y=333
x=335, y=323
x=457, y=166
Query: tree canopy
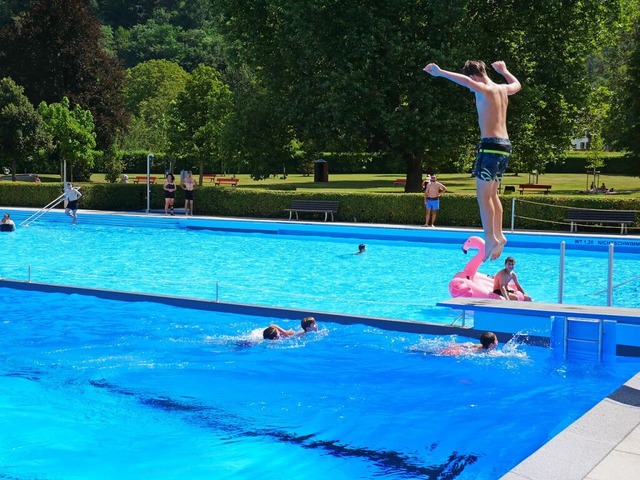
x=198, y=119
x=73, y=137
x=21, y=131
x=54, y=50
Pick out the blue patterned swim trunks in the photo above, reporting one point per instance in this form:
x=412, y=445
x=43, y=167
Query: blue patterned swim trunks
x=493, y=158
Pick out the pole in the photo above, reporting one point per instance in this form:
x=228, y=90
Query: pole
x=561, y=277
x=149, y=157
x=513, y=213
x=610, y=277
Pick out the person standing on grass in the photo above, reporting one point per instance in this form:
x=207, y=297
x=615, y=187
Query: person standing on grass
x=492, y=100
x=432, y=191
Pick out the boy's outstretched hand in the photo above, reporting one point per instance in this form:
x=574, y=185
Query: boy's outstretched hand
x=432, y=69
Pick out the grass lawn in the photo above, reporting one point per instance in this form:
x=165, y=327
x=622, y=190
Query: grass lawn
x=562, y=183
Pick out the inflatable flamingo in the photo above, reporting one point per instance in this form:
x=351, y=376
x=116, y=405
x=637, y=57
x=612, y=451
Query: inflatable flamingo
x=470, y=283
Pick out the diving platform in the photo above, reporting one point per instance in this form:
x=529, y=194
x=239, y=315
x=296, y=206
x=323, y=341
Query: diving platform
x=566, y=327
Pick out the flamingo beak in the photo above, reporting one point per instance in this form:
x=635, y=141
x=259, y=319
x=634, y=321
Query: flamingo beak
x=464, y=250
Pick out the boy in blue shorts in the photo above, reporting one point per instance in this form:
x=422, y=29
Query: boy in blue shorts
x=492, y=100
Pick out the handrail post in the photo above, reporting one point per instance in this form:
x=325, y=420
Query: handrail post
x=149, y=157
x=513, y=213
x=561, y=269
x=610, y=277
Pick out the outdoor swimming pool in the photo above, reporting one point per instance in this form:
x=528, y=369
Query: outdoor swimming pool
x=394, y=278
x=94, y=389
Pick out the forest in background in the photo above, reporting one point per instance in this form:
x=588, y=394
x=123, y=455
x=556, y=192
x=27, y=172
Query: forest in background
x=264, y=86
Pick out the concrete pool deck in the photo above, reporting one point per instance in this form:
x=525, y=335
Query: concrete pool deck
x=603, y=444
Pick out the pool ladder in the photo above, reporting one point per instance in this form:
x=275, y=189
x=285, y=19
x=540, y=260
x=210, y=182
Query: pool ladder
x=42, y=211
x=584, y=335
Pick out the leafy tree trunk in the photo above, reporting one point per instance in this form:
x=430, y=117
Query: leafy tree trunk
x=414, y=172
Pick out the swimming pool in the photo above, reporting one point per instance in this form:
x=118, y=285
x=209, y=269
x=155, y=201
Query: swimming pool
x=101, y=389
x=393, y=279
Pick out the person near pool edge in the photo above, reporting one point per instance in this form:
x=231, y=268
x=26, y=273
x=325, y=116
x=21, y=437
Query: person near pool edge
x=494, y=150
x=72, y=195
x=7, y=224
x=504, y=277
x=169, y=194
x=432, y=191
x=189, y=186
x=274, y=332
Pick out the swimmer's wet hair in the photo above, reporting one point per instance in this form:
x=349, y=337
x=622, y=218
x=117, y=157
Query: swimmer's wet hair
x=306, y=322
x=270, y=333
x=362, y=247
x=474, y=67
x=487, y=339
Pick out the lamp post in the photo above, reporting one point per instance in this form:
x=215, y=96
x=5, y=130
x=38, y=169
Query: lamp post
x=149, y=157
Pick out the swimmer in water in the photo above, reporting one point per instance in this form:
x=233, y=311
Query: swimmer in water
x=361, y=249
x=274, y=332
x=488, y=342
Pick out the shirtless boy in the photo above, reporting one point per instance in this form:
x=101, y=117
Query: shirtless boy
x=493, y=156
x=504, y=277
x=188, y=185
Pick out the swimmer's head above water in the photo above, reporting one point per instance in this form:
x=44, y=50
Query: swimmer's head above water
x=309, y=324
x=488, y=340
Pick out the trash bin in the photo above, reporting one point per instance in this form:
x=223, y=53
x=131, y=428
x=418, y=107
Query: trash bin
x=320, y=171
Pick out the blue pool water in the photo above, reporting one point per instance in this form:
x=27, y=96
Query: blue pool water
x=101, y=389
x=395, y=279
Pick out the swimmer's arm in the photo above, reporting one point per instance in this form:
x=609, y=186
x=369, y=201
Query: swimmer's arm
x=513, y=85
x=433, y=70
x=283, y=332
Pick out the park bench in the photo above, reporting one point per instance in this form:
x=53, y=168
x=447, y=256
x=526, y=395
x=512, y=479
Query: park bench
x=623, y=217
x=210, y=176
x=399, y=182
x=227, y=181
x=313, y=206
x=143, y=179
x=533, y=186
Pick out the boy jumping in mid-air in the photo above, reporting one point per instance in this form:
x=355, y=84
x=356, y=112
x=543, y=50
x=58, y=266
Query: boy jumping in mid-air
x=492, y=100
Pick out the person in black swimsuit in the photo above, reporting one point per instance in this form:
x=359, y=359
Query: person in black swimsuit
x=7, y=224
x=169, y=194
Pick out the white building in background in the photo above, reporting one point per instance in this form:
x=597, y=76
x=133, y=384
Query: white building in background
x=580, y=143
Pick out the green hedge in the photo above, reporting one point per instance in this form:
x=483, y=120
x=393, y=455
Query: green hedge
x=384, y=208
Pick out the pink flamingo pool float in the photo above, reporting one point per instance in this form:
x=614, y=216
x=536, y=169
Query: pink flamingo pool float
x=469, y=282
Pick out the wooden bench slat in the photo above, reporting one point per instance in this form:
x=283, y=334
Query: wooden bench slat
x=623, y=217
x=227, y=181
x=328, y=207
x=533, y=186
x=143, y=179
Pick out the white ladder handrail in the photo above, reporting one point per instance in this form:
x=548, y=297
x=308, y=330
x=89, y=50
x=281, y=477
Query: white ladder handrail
x=42, y=211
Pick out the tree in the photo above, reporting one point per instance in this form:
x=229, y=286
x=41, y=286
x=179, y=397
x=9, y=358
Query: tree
x=348, y=74
x=21, y=130
x=73, y=136
x=629, y=97
x=54, y=50
x=150, y=90
x=198, y=119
